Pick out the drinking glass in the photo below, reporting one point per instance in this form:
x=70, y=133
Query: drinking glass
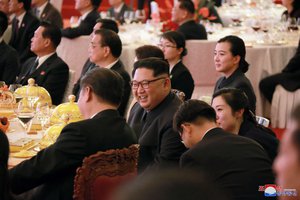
x=32, y=94
x=25, y=113
x=13, y=88
x=128, y=16
x=43, y=114
x=2, y=84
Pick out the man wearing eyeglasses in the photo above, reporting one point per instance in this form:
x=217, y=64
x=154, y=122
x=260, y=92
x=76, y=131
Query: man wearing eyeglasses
x=152, y=116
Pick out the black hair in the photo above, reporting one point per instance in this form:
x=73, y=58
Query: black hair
x=26, y=4
x=4, y=154
x=187, y=5
x=52, y=32
x=296, y=7
x=96, y=3
x=157, y=65
x=147, y=51
x=108, y=24
x=237, y=48
x=176, y=38
x=3, y=23
x=192, y=110
x=112, y=40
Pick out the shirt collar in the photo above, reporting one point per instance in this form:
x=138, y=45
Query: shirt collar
x=41, y=8
x=1, y=39
x=118, y=9
x=171, y=67
x=44, y=58
x=111, y=64
x=20, y=18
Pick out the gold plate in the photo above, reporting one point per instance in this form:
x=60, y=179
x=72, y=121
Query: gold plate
x=24, y=154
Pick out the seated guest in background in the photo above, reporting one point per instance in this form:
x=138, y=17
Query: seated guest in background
x=152, y=116
x=288, y=78
x=47, y=69
x=173, y=45
x=287, y=163
x=107, y=24
x=147, y=51
x=183, y=14
x=293, y=8
x=4, y=7
x=23, y=26
x=9, y=60
x=4, y=153
x=213, y=15
x=230, y=60
x=141, y=11
x=51, y=172
x=45, y=11
x=89, y=15
x=117, y=10
x=105, y=50
x=233, y=115
x=237, y=164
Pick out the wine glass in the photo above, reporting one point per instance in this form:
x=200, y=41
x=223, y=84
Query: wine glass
x=25, y=113
x=13, y=88
x=43, y=114
x=32, y=93
x=292, y=24
x=128, y=16
x=256, y=25
x=2, y=84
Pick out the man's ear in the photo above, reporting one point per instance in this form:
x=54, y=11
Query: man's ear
x=107, y=51
x=86, y=94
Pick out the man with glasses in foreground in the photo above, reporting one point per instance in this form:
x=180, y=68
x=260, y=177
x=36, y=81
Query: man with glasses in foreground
x=152, y=116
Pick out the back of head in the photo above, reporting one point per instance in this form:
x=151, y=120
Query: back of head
x=4, y=153
x=112, y=40
x=96, y=3
x=237, y=49
x=157, y=65
x=187, y=5
x=108, y=24
x=147, y=51
x=192, y=110
x=3, y=23
x=106, y=84
x=26, y=4
x=176, y=38
x=52, y=32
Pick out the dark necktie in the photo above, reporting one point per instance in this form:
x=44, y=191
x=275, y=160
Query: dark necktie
x=144, y=116
x=34, y=66
x=16, y=25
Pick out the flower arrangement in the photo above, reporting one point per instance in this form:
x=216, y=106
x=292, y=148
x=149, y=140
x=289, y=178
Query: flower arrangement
x=205, y=10
x=169, y=25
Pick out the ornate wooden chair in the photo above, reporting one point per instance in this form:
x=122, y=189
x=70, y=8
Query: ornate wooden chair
x=102, y=173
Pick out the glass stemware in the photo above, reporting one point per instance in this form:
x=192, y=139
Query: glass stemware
x=25, y=113
x=43, y=114
x=129, y=16
x=32, y=93
x=13, y=88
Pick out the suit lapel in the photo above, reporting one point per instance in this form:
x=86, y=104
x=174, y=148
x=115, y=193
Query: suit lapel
x=45, y=11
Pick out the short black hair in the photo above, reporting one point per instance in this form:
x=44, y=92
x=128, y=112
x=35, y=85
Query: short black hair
x=4, y=155
x=108, y=24
x=96, y=3
x=157, y=65
x=112, y=40
x=3, y=23
x=106, y=84
x=237, y=48
x=176, y=38
x=187, y=5
x=192, y=110
x=26, y=4
x=52, y=32
x=147, y=51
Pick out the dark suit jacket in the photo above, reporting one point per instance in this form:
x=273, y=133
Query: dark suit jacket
x=21, y=41
x=119, y=16
x=51, y=14
x=237, y=164
x=84, y=28
x=53, y=75
x=9, y=63
x=53, y=169
x=192, y=31
x=262, y=136
x=240, y=81
x=160, y=145
x=181, y=79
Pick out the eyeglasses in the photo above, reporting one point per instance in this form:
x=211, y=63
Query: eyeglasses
x=166, y=46
x=144, y=83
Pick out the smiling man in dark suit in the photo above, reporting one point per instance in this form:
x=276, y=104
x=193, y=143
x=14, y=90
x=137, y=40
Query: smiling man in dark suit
x=235, y=163
x=48, y=70
x=89, y=15
x=51, y=172
x=117, y=9
x=45, y=11
x=23, y=26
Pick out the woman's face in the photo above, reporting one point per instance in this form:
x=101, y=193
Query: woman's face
x=171, y=52
x=226, y=119
x=225, y=62
x=287, y=164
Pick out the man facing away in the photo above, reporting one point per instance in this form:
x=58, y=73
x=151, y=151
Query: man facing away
x=238, y=165
x=152, y=116
x=51, y=172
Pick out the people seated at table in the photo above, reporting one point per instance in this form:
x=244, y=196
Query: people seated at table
x=4, y=153
x=118, y=9
x=172, y=44
x=293, y=8
x=4, y=7
x=229, y=58
x=237, y=164
x=207, y=11
x=47, y=69
x=288, y=78
x=152, y=116
x=50, y=174
x=23, y=26
x=88, y=65
x=233, y=115
x=105, y=50
x=9, y=59
x=147, y=51
x=45, y=11
x=87, y=20
x=183, y=14
x=287, y=163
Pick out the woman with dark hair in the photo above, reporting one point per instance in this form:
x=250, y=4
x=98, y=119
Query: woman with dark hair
x=233, y=115
x=293, y=8
x=287, y=163
x=229, y=58
x=172, y=44
x=4, y=152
